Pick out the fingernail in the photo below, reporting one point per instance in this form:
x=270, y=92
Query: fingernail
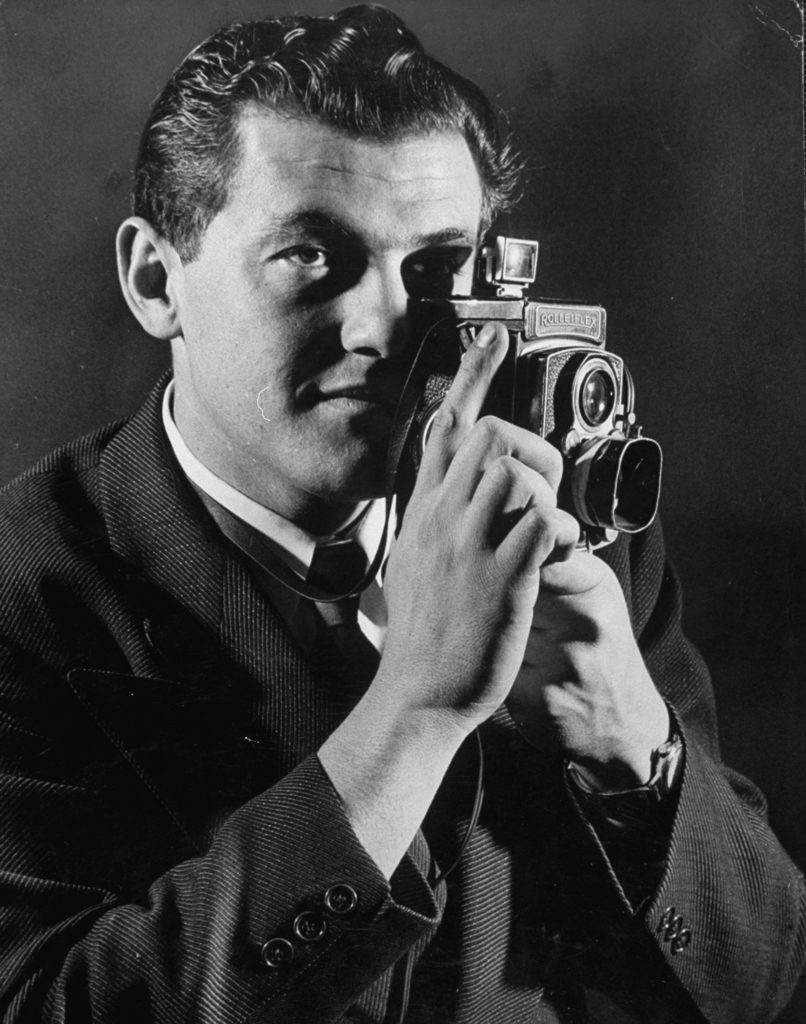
x=485, y=336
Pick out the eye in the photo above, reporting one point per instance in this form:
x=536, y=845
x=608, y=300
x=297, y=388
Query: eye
x=309, y=256
x=434, y=273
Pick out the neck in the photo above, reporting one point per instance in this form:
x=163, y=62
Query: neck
x=315, y=514
x=317, y=519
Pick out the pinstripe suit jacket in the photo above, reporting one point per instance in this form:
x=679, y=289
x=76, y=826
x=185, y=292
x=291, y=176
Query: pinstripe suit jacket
x=164, y=814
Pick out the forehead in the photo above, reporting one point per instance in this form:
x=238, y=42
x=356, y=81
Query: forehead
x=414, y=182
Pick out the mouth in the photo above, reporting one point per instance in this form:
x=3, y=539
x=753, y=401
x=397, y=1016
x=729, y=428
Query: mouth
x=357, y=397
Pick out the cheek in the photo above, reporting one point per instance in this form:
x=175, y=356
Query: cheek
x=268, y=403
x=243, y=357
x=223, y=314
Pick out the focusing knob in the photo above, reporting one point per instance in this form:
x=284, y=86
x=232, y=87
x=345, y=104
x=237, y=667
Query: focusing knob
x=569, y=442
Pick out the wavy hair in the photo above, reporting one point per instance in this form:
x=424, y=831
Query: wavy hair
x=360, y=70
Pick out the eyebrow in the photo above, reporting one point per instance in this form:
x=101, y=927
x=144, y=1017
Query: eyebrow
x=444, y=236
x=317, y=221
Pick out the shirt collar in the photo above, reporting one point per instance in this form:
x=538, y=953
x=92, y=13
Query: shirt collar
x=290, y=542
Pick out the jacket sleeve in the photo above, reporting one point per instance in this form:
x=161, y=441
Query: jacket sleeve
x=728, y=918
x=283, y=901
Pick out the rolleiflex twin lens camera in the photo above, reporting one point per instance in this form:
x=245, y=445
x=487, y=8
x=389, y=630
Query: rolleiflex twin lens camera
x=557, y=380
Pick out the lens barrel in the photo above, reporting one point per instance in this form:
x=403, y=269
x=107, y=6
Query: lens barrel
x=615, y=483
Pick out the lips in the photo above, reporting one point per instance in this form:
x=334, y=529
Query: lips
x=384, y=397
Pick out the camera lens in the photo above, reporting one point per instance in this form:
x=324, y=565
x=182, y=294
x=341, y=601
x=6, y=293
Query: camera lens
x=615, y=483
x=597, y=397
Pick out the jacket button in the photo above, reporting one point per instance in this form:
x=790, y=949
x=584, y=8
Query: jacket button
x=277, y=952
x=680, y=941
x=309, y=927
x=341, y=899
x=672, y=930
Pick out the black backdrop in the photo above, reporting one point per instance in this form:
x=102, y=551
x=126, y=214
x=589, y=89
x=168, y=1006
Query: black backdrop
x=664, y=142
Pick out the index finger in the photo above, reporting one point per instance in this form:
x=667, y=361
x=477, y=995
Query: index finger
x=463, y=403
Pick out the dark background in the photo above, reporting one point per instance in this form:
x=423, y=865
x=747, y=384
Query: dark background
x=664, y=142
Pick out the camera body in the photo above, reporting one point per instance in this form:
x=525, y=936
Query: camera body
x=557, y=380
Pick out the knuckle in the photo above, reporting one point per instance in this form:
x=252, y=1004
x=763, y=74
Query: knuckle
x=554, y=460
x=570, y=521
x=544, y=521
x=445, y=419
x=567, y=534
x=507, y=467
x=549, y=529
x=469, y=369
x=489, y=430
x=547, y=460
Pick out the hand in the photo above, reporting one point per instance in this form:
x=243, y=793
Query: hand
x=583, y=686
x=461, y=587
x=463, y=577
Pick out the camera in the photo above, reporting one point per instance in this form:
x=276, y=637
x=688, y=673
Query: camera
x=556, y=380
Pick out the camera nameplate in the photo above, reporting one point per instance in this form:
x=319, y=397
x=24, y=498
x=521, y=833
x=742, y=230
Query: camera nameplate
x=547, y=320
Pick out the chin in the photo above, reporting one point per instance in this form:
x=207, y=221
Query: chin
x=354, y=489
x=357, y=479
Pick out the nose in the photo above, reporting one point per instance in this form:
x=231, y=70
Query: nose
x=375, y=318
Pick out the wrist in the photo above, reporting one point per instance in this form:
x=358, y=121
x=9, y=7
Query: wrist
x=386, y=761
x=436, y=708
x=649, y=768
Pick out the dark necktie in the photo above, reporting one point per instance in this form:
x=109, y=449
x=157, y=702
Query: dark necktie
x=341, y=650
x=336, y=566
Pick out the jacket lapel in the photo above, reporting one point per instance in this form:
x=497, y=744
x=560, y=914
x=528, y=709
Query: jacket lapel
x=220, y=702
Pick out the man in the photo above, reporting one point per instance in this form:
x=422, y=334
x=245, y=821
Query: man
x=215, y=807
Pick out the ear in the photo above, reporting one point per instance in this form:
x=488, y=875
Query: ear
x=150, y=271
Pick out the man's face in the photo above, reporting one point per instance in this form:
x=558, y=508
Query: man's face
x=294, y=332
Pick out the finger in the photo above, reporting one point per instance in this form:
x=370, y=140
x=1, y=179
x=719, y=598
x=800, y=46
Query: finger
x=462, y=404
x=578, y=576
x=505, y=491
x=541, y=533
x=491, y=439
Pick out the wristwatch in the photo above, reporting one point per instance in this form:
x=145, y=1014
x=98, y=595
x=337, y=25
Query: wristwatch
x=665, y=763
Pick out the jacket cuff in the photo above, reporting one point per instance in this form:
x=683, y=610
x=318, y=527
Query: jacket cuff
x=321, y=923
